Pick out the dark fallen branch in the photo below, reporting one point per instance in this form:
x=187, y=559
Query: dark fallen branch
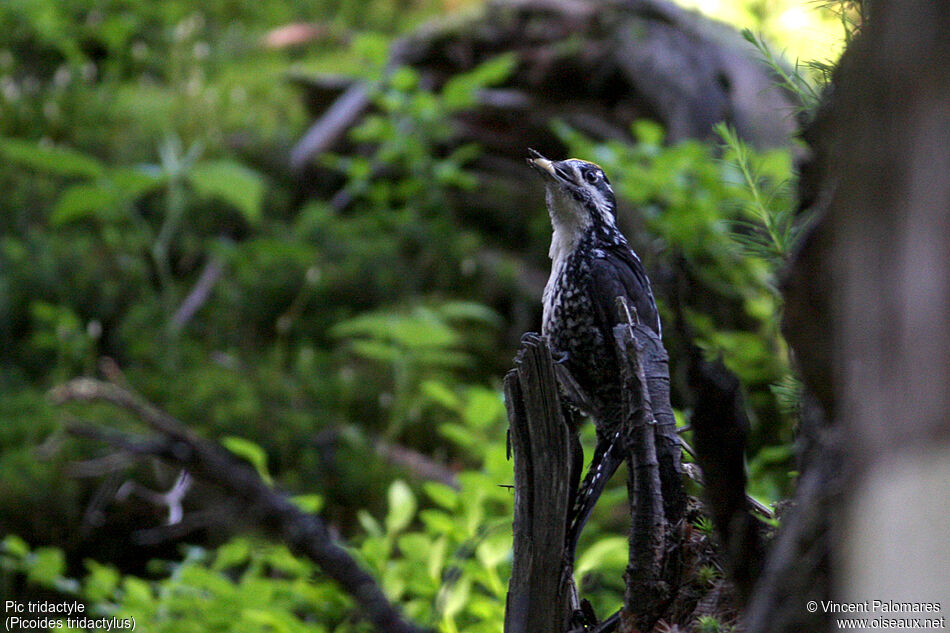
x=262, y=506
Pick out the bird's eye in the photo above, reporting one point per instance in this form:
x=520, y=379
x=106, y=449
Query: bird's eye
x=592, y=176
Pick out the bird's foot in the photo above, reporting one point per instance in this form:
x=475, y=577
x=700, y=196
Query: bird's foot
x=529, y=338
x=583, y=618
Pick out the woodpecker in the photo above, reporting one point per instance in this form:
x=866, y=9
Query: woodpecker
x=591, y=265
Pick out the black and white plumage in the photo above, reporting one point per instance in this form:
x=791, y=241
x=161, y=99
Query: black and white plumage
x=591, y=265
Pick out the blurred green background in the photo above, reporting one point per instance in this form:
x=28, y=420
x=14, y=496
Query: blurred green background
x=355, y=355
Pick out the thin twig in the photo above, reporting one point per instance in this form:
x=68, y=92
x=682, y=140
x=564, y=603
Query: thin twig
x=199, y=293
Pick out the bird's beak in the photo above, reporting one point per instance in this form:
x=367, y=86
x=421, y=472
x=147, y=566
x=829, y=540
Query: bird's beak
x=547, y=168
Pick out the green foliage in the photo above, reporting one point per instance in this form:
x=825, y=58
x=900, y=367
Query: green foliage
x=794, y=80
x=708, y=574
x=140, y=147
x=238, y=185
x=55, y=160
x=704, y=525
x=418, y=347
x=772, y=229
x=408, y=134
x=446, y=565
x=711, y=624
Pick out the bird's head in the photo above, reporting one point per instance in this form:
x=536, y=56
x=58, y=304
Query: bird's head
x=578, y=193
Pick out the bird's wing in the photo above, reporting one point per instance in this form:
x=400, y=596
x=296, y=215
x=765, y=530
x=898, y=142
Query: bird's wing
x=619, y=273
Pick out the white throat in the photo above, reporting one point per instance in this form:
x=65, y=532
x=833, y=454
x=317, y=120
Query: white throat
x=568, y=222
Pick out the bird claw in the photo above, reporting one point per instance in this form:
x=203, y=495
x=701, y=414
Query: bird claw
x=583, y=618
x=530, y=338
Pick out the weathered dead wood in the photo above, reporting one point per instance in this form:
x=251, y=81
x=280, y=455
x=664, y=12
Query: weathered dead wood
x=647, y=591
x=538, y=592
x=541, y=439
x=654, y=361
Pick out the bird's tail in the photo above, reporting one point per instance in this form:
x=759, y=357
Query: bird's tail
x=608, y=455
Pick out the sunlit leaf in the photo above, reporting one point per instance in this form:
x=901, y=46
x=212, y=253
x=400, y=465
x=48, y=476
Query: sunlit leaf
x=483, y=407
x=46, y=566
x=239, y=186
x=15, y=546
x=369, y=523
x=461, y=90
x=312, y=503
x=441, y=494
x=470, y=311
x=101, y=581
x=402, y=507
x=231, y=554
x=608, y=552
x=439, y=392
x=436, y=557
x=251, y=452
x=494, y=549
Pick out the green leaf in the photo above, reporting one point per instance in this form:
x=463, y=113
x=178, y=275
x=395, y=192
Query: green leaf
x=101, y=582
x=369, y=523
x=494, y=549
x=46, y=566
x=132, y=182
x=440, y=393
x=101, y=198
x=436, y=557
x=15, y=546
x=251, y=452
x=83, y=201
x=137, y=593
x=609, y=552
x=372, y=47
x=461, y=91
x=470, y=311
x=239, y=186
x=404, y=79
x=308, y=503
x=456, y=597
x=271, y=620
x=483, y=407
x=441, y=494
x=648, y=132
x=59, y=161
x=374, y=350
x=231, y=554
x=402, y=507
x=438, y=522
x=422, y=329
